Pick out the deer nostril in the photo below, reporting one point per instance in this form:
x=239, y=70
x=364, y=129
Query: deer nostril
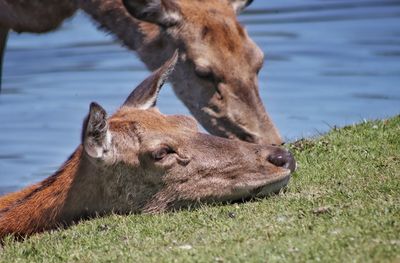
x=283, y=159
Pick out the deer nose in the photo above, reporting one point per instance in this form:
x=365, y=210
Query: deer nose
x=283, y=158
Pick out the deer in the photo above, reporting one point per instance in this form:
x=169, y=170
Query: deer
x=139, y=160
x=217, y=78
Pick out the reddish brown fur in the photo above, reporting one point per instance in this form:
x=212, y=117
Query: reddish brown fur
x=37, y=208
x=6, y=201
x=221, y=36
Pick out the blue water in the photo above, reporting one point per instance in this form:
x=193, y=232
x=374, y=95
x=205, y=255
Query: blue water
x=328, y=62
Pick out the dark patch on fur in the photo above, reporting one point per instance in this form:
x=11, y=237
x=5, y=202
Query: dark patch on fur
x=205, y=31
x=213, y=11
x=240, y=30
x=170, y=5
x=226, y=34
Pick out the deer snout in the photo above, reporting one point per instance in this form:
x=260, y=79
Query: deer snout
x=283, y=158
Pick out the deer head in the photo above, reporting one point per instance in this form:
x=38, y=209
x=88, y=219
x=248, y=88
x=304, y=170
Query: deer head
x=147, y=161
x=140, y=160
x=219, y=63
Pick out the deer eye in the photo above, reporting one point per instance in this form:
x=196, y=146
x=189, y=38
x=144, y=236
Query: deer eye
x=161, y=153
x=205, y=73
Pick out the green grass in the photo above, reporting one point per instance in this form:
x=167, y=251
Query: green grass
x=342, y=205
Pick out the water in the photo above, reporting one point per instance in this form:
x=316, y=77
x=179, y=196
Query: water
x=328, y=62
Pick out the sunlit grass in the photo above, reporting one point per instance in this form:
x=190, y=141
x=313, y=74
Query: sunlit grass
x=342, y=205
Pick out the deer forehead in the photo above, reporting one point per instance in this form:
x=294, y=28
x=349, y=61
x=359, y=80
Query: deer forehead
x=211, y=19
x=214, y=37
x=135, y=120
x=203, y=9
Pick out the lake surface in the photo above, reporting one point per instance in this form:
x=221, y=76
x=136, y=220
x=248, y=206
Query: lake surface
x=327, y=63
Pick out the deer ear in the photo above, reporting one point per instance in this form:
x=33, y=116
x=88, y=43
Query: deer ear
x=145, y=95
x=162, y=12
x=239, y=5
x=96, y=138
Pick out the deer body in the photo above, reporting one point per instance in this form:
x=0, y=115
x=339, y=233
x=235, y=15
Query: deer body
x=35, y=16
x=217, y=74
x=139, y=160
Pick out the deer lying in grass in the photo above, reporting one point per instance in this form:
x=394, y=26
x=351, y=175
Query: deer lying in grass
x=140, y=160
x=217, y=74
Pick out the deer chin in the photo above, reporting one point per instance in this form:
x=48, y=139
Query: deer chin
x=223, y=125
x=265, y=185
x=218, y=121
x=273, y=187
x=256, y=186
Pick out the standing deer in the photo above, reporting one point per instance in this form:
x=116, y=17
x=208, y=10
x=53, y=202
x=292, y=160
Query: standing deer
x=140, y=160
x=217, y=74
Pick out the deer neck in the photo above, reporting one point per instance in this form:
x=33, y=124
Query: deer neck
x=147, y=39
x=113, y=17
x=58, y=200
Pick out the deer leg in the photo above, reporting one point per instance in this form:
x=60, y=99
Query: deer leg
x=3, y=42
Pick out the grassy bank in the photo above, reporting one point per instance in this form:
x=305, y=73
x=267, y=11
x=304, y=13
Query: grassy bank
x=343, y=204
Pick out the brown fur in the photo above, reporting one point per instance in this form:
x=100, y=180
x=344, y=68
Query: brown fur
x=35, y=16
x=140, y=160
x=217, y=74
